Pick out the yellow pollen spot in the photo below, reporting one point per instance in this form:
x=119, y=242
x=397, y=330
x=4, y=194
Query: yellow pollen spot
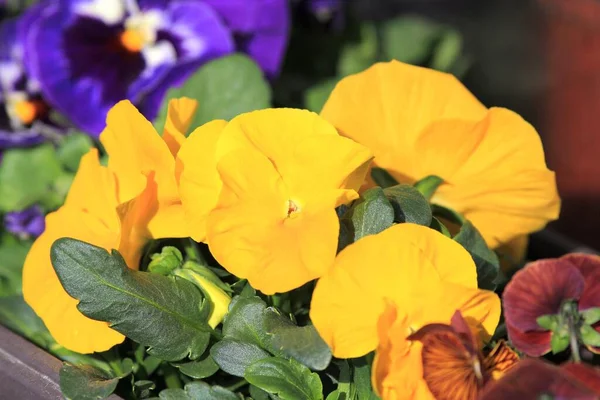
x=133, y=40
x=26, y=111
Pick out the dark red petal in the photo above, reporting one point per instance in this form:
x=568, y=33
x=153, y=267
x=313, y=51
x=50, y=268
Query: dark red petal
x=531, y=378
x=532, y=343
x=539, y=289
x=451, y=370
x=585, y=374
x=589, y=266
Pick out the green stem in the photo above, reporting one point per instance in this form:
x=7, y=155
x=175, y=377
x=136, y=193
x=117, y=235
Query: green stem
x=573, y=340
x=237, y=385
x=172, y=377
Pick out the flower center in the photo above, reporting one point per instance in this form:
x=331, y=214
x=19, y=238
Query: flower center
x=140, y=31
x=132, y=40
x=27, y=111
x=22, y=110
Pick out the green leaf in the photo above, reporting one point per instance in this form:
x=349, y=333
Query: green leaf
x=234, y=357
x=203, y=391
x=12, y=257
x=382, y=177
x=591, y=315
x=250, y=321
x=437, y=225
x=198, y=391
x=142, y=389
x=428, y=185
x=369, y=215
x=549, y=322
x=288, y=379
x=224, y=88
x=447, y=214
x=301, y=343
x=448, y=51
x=362, y=379
x=589, y=336
x=486, y=261
x=409, y=205
x=72, y=148
x=258, y=394
x=559, y=342
x=201, y=368
x=356, y=57
x=316, y=96
x=409, y=39
x=109, y=291
x=345, y=387
x=26, y=176
x=19, y=317
x=245, y=321
x=85, y=382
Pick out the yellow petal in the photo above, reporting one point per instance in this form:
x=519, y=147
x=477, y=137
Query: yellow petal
x=199, y=181
x=397, y=368
x=94, y=190
x=44, y=293
x=387, y=106
x=135, y=149
x=503, y=186
x=405, y=262
x=420, y=122
x=179, y=117
x=479, y=308
x=252, y=236
x=306, y=150
x=398, y=365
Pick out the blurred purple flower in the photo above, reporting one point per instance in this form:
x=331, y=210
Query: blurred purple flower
x=90, y=54
x=26, y=223
x=23, y=111
x=325, y=9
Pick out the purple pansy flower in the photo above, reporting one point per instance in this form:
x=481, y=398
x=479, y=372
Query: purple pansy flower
x=23, y=111
x=25, y=223
x=90, y=54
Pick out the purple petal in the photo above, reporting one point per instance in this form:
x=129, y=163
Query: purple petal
x=261, y=27
x=539, y=289
x=29, y=222
x=198, y=31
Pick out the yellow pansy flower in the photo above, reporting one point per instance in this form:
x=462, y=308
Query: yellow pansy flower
x=281, y=173
x=420, y=122
x=121, y=206
x=199, y=181
x=422, y=275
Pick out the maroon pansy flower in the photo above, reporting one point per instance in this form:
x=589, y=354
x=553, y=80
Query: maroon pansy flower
x=533, y=378
x=541, y=288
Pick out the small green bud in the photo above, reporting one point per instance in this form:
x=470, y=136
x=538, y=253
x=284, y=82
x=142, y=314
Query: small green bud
x=163, y=263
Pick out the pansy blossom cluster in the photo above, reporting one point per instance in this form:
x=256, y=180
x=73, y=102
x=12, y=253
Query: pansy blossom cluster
x=363, y=233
